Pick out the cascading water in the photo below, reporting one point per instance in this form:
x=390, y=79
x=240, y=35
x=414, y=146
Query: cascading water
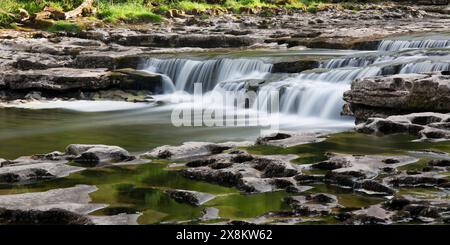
x=348, y=62
x=313, y=94
x=394, y=45
x=426, y=66
x=185, y=72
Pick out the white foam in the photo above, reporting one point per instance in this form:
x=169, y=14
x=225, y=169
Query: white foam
x=80, y=105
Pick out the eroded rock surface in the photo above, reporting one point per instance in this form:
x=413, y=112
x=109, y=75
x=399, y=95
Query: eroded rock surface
x=398, y=94
x=426, y=126
x=67, y=206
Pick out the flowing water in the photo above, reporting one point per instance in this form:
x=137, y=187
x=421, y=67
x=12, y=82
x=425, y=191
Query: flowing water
x=310, y=100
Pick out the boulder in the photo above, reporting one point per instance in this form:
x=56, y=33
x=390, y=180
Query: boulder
x=191, y=149
x=92, y=155
x=398, y=94
x=191, y=197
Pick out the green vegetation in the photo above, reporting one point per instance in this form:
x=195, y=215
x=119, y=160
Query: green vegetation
x=64, y=26
x=144, y=11
x=131, y=12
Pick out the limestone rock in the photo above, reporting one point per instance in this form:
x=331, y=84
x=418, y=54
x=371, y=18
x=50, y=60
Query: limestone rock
x=399, y=94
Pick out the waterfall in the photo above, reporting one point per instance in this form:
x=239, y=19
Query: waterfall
x=394, y=45
x=185, y=72
x=340, y=75
x=313, y=94
x=348, y=62
x=426, y=66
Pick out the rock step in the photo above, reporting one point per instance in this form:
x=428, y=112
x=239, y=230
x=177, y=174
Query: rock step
x=187, y=40
x=398, y=94
x=69, y=82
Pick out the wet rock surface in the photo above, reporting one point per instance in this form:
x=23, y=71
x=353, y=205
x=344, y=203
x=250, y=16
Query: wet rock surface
x=191, y=150
x=92, y=155
x=246, y=172
x=287, y=139
x=191, y=197
x=426, y=126
x=67, y=206
x=39, y=167
x=36, y=217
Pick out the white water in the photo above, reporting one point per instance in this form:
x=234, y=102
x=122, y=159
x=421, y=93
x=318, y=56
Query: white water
x=185, y=72
x=426, y=66
x=317, y=95
x=80, y=105
x=309, y=97
x=394, y=45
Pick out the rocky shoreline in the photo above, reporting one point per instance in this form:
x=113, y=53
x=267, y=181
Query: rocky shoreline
x=228, y=164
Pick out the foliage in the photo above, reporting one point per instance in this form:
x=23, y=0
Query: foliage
x=138, y=11
x=126, y=12
x=64, y=26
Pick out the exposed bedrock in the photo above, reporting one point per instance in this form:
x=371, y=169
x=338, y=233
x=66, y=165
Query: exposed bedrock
x=65, y=206
x=194, y=198
x=30, y=169
x=313, y=205
x=191, y=150
x=425, y=125
x=37, y=217
x=74, y=83
x=400, y=209
x=186, y=40
x=247, y=172
x=398, y=94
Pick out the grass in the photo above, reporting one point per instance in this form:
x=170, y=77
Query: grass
x=127, y=13
x=64, y=26
x=142, y=11
x=189, y=5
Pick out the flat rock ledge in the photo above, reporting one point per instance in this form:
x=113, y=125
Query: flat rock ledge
x=427, y=126
x=192, y=149
x=248, y=173
x=55, y=164
x=288, y=139
x=67, y=206
x=398, y=94
x=76, y=83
